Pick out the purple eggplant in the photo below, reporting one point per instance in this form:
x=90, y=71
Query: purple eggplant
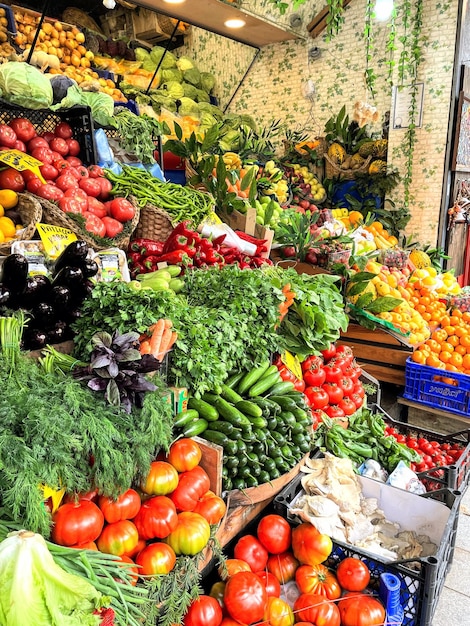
x=15, y=273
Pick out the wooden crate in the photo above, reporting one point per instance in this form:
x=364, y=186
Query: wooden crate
x=211, y=462
x=246, y=222
x=378, y=352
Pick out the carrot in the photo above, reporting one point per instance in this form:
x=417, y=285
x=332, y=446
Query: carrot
x=156, y=338
x=168, y=323
x=289, y=295
x=145, y=347
x=165, y=342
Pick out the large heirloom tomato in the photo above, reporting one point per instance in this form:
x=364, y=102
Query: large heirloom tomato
x=192, y=485
x=278, y=613
x=309, y=546
x=236, y=565
x=161, y=479
x=283, y=566
x=353, y=574
x=205, y=611
x=245, y=598
x=359, y=609
x=118, y=538
x=274, y=532
x=211, y=507
x=191, y=534
x=125, y=507
x=273, y=586
x=317, y=579
x=249, y=549
x=316, y=609
x=77, y=522
x=184, y=454
x=156, y=518
x=155, y=559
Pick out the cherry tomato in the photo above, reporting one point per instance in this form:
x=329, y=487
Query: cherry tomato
x=334, y=391
x=317, y=396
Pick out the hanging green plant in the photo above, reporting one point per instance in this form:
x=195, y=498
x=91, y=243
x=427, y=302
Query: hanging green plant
x=282, y=6
x=334, y=18
x=368, y=33
x=391, y=45
x=404, y=59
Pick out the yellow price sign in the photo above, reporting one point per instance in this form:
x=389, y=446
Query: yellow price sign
x=292, y=363
x=20, y=161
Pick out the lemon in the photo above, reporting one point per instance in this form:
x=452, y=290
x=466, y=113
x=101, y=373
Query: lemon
x=8, y=198
x=7, y=226
x=2, y=237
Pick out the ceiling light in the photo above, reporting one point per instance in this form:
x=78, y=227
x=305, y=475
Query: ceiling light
x=383, y=10
x=174, y=1
x=235, y=23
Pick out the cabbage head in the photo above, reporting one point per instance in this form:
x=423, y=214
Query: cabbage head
x=192, y=76
x=160, y=101
x=206, y=107
x=169, y=59
x=207, y=120
x=207, y=81
x=141, y=54
x=173, y=89
x=202, y=96
x=190, y=91
x=184, y=63
x=172, y=74
x=188, y=107
x=24, y=85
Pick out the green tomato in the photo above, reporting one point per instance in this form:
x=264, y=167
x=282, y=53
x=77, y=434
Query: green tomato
x=190, y=535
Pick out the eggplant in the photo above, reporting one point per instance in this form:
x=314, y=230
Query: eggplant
x=44, y=314
x=15, y=273
x=71, y=277
x=60, y=332
x=34, y=339
x=74, y=255
x=73, y=315
x=36, y=290
x=4, y=296
x=60, y=298
x=89, y=268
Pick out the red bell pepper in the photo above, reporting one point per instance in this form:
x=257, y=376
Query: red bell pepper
x=174, y=258
x=180, y=231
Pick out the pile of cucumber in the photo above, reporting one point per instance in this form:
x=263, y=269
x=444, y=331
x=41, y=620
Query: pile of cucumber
x=262, y=423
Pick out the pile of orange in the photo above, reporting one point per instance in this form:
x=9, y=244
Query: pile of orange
x=428, y=305
x=448, y=348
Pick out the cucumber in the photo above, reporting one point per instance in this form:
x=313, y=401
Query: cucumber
x=230, y=395
x=281, y=388
x=262, y=386
x=214, y=436
x=231, y=414
x=223, y=427
x=185, y=417
x=286, y=403
x=271, y=370
x=195, y=428
x=288, y=418
x=250, y=378
x=249, y=408
x=233, y=380
x=205, y=410
x=257, y=422
x=210, y=397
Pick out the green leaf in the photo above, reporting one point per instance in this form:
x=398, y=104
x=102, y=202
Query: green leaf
x=355, y=289
x=247, y=179
x=383, y=304
x=178, y=131
x=364, y=300
x=362, y=276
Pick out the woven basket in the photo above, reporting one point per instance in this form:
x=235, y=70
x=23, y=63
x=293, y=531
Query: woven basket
x=31, y=213
x=333, y=170
x=154, y=223
x=53, y=215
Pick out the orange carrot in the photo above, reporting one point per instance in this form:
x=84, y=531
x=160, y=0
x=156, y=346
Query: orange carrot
x=145, y=347
x=168, y=323
x=156, y=338
x=165, y=342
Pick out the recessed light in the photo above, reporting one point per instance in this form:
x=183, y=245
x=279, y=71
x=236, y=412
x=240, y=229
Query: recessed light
x=174, y=1
x=235, y=23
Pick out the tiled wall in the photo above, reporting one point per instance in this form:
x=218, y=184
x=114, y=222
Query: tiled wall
x=273, y=88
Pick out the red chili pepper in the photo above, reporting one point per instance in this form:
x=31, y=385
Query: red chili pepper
x=134, y=257
x=180, y=230
x=219, y=240
x=150, y=261
x=174, y=257
x=138, y=268
x=152, y=248
x=257, y=261
x=200, y=258
x=243, y=265
x=206, y=245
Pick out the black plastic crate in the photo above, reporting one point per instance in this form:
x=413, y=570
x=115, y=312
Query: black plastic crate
x=45, y=120
x=421, y=579
x=455, y=476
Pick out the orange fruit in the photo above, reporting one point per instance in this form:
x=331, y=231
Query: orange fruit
x=445, y=345
x=445, y=321
x=451, y=368
x=433, y=361
x=434, y=345
x=450, y=330
x=445, y=356
x=466, y=317
x=466, y=362
x=456, y=359
x=419, y=356
x=465, y=341
x=460, y=349
x=457, y=313
x=453, y=340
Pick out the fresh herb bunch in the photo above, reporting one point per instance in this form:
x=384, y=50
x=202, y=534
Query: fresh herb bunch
x=117, y=369
x=297, y=231
x=138, y=133
x=340, y=129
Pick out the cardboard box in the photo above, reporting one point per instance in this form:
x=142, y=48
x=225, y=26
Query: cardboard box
x=179, y=399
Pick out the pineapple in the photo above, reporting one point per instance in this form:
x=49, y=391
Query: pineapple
x=337, y=153
x=366, y=149
x=378, y=167
x=420, y=259
x=380, y=148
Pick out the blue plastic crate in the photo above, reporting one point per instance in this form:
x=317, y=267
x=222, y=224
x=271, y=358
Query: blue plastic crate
x=423, y=384
x=11, y=26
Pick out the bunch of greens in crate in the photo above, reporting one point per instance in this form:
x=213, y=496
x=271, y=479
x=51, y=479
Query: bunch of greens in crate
x=296, y=229
x=192, y=148
x=138, y=133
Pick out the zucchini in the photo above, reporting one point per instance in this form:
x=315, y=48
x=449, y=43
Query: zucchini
x=249, y=408
x=210, y=398
x=285, y=402
x=195, y=428
x=281, y=388
x=205, y=410
x=214, y=436
x=250, y=378
x=271, y=370
x=231, y=414
x=185, y=417
x=233, y=380
x=230, y=395
x=263, y=385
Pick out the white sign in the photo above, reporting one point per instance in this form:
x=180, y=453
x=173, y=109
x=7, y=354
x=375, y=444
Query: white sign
x=401, y=106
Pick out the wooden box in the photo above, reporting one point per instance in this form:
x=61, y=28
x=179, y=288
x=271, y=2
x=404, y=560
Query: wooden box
x=246, y=222
x=211, y=462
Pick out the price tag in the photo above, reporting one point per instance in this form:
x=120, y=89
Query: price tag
x=55, y=239
x=55, y=495
x=212, y=218
x=292, y=363
x=20, y=161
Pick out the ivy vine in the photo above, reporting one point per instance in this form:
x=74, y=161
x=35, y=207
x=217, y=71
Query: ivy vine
x=370, y=75
x=334, y=18
x=404, y=60
x=391, y=45
x=282, y=5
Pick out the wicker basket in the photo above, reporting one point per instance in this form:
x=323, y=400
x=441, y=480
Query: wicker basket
x=53, y=215
x=154, y=223
x=31, y=213
x=333, y=170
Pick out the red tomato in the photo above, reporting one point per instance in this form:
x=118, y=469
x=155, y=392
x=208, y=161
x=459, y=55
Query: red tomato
x=90, y=186
x=313, y=608
x=79, y=195
x=250, y=549
x=315, y=376
x=317, y=579
x=278, y=612
x=97, y=208
x=63, y=130
x=50, y=192
x=317, y=397
x=245, y=598
x=95, y=171
x=211, y=507
x=346, y=352
x=23, y=128
x=184, y=454
x=340, y=362
x=138, y=548
x=359, y=389
x=273, y=587
x=69, y=205
x=286, y=374
x=205, y=611
x=11, y=179
x=94, y=225
x=347, y=406
x=47, y=136
x=37, y=142
x=347, y=385
x=312, y=361
x=353, y=371
x=190, y=535
x=7, y=136
x=192, y=485
x=334, y=411
x=34, y=184
x=155, y=559
x=122, y=210
x=309, y=546
x=274, y=533
x=283, y=566
x=299, y=385
x=333, y=373
x=236, y=565
x=49, y=172
x=44, y=155
x=66, y=181
x=28, y=175
x=118, y=538
x=59, y=145
x=329, y=352
x=126, y=506
x=61, y=164
x=77, y=522
x=74, y=148
x=106, y=187
x=353, y=574
x=156, y=518
x=113, y=227
x=161, y=479
x=360, y=610
x=81, y=172
x=357, y=399
x=74, y=162
x=334, y=391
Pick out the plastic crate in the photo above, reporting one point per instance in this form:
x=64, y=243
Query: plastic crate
x=423, y=384
x=45, y=120
x=11, y=26
x=455, y=476
x=421, y=579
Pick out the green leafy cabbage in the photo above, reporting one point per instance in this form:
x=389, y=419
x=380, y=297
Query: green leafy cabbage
x=169, y=59
x=190, y=91
x=193, y=76
x=184, y=63
x=24, y=85
x=207, y=81
x=202, y=96
x=188, y=107
x=173, y=89
x=172, y=74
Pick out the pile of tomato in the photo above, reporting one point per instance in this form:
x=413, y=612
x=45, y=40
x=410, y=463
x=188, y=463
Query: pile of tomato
x=250, y=589
x=169, y=515
x=74, y=187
